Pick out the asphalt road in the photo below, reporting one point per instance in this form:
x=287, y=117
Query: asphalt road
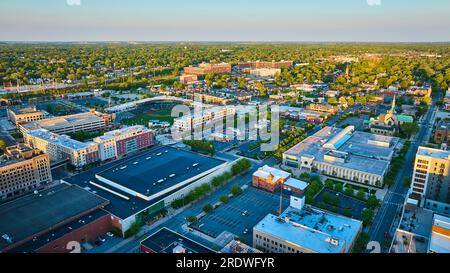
x=388, y=215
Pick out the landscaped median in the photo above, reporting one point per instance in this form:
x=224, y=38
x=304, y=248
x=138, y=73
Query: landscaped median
x=239, y=167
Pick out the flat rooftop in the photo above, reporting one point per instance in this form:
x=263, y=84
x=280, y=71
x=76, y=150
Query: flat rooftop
x=168, y=241
x=63, y=122
x=413, y=233
x=436, y=153
x=32, y=214
x=440, y=234
x=365, y=151
x=35, y=244
x=62, y=140
x=131, y=181
x=158, y=171
x=312, y=229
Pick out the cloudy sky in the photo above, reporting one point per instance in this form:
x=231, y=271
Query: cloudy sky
x=225, y=20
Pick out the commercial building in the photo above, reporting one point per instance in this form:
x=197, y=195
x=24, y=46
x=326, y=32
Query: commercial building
x=325, y=108
x=265, y=72
x=440, y=235
x=48, y=220
x=23, y=169
x=430, y=185
x=168, y=241
x=305, y=230
x=263, y=64
x=118, y=143
x=207, y=68
x=24, y=115
x=272, y=179
x=141, y=186
x=84, y=122
x=421, y=231
x=235, y=246
x=187, y=78
x=344, y=153
x=62, y=147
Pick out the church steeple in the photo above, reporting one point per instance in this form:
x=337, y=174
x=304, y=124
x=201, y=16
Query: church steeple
x=392, y=111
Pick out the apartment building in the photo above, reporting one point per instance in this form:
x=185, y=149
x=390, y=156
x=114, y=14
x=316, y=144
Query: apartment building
x=430, y=185
x=208, y=68
x=117, y=143
x=88, y=122
x=24, y=115
x=62, y=147
x=23, y=169
x=214, y=99
x=207, y=116
x=265, y=72
x=442, y=133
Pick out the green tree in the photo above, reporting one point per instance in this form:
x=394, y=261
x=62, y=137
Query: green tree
x=208, y=208
x=367, y=217
x=236, y=190
x=224, y=198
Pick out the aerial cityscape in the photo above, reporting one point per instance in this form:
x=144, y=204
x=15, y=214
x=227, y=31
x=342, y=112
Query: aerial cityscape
x=139, y=138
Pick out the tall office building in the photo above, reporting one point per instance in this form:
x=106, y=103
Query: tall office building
x=23, y=169
x=430, y=185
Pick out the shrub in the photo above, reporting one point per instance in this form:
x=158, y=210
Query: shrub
x=224, y=198
x=208, y=208
x=191, y=219
x=236, y=190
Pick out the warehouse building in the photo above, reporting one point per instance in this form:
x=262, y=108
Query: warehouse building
x=48, y=220
x=142, y=186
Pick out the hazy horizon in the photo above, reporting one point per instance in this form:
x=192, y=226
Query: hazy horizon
x=368, y=21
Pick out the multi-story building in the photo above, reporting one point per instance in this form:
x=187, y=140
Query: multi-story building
x=24, y=115
x=442, y=133
x=262, y=64
x=116, y=144
x=430, y=185
x=207, y=68
x=344, y=153
x=187, y=78
x=214, y=99
x=88, y=122
x=23, y=169
x=273, y=179
x=207, y=116
x=302, y=229
x=325, y=108
x=265, y=72
x=62, y=147
x=440, y=235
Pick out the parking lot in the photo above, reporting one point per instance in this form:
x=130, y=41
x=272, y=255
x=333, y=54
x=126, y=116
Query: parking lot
x=232, y=217
x=345, y=202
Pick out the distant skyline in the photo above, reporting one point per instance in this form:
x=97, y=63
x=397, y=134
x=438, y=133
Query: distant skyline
x=231, y=20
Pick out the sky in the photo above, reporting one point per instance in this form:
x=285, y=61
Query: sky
x=226, y=20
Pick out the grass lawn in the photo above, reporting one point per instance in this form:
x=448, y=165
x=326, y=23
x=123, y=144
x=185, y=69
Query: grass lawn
x=161, y=115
